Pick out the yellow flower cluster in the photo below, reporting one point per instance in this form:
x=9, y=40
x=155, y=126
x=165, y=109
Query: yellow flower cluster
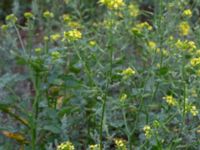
x=193, y=110
x=94, y=147
x=123, y=97
x=74, y=24
x=185, y=45
x=28, y=15
x=55, y=55
x=72, y=35
x=195, y=61
x=170, y=100
x=147, y=131
x=4, y=27
x=113, y=4
x=11, y=18
x=187, y=13
x=109, y=23
x=128, y=72
x=66, y=146
x=184, y=28
x=164, y=51
x=38, y=50
x=55, y=37
x=66, y=18
x=47, y=14
x=133, y=10
x=151, y=44
x=120, y=144
x=92, y=43
x=140, y=27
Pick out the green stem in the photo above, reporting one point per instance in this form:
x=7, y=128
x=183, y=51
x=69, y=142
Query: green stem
x=35, y=112
x=127, y=129
x=105, y=98
x=20, y=40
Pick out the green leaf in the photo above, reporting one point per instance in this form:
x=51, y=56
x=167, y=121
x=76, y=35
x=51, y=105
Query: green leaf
x=8, y=78
x=52, y=128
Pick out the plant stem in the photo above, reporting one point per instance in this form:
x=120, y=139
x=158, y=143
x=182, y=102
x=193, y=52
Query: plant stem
x=35, y=112
x=109, y=78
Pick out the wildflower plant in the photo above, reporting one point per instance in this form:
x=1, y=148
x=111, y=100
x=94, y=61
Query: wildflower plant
x=102, y=74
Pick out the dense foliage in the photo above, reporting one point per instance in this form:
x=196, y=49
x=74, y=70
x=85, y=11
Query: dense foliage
x=107, y=74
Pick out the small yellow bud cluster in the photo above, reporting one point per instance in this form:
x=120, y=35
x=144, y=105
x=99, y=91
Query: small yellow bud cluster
x=55, y=55
x=147, y=131
x=113, y=4
x=66, y=18
x=184, y=28
x=4, y=27
x=28, y=15
x=151, y=44
x=47, y=14
x=128, y=72
x=170, y=100
x=66, y=146
x=123, y=97
x=72, y=35
x=193, y=110
x=141, y=27
x=187, y=13
x=11, y=19
x=94, y=147
x=55, y=37
x=38, y=50
x=195, y=61
x=92, y=43
x=133, y=10
x=186, y=45
x=120, y=144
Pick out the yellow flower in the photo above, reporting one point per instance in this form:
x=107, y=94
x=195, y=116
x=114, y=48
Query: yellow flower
x=38, y=50
x=141, y=27
x=128, y=72
x=133, y=10
x=147, y=131
x=28, y=15
x=72, y=35
x=46, y=38
x=66, y=146
x=108, y=23
x=11, y=18
x=198, y=72
x=48, y=14
x=120, y=144
x=144, y=25
x=191, y=45
x=123, y=97
x=55, y=37
x=187, y=13
x=92, y=43
x=193, y=110
x=184, y=28
x=113, y=4
x=55, y=55
x=94, y=147
x=4, y=27
x=152, y=44
x=66, y=18
x=170, y=100
x=195, y=61
x=74, y=24
x=186, y=45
